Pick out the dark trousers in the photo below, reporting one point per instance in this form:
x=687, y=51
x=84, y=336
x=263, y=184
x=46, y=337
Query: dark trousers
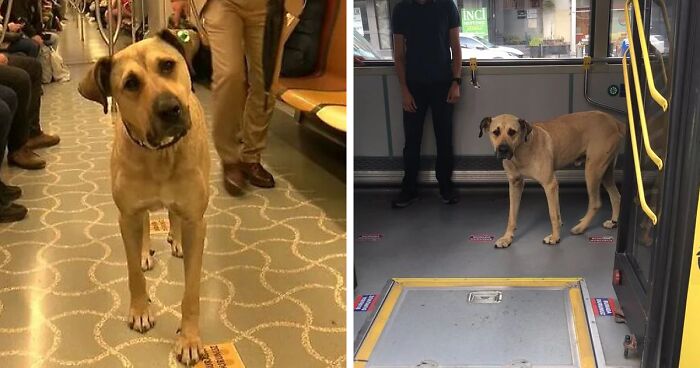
x=23, y=75
x=26, y=46
x=433, y=95
x=8, y=108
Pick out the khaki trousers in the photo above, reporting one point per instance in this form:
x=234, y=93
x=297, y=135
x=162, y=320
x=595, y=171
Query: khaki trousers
x=235, y=29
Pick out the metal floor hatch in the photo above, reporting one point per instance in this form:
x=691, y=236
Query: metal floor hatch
x=481, y=322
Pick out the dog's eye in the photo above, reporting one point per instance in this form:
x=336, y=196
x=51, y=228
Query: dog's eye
x=511, y=132
x=167, y=66
x=497, y=132
x=132, y=84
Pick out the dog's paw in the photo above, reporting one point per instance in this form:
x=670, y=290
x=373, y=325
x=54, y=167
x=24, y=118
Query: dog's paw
x=189, y=349
x=147, y=260
x=175, y=247
x=141, y=321
x=550, y=239
x=610, y=224
x=578, y=229
x=504, y=242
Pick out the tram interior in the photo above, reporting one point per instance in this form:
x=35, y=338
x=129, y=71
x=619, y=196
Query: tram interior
x=273, y=280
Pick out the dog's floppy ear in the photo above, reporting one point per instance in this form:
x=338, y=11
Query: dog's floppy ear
x=95, y=85
x=525, y=127
x=484, y=125
x=171, y=39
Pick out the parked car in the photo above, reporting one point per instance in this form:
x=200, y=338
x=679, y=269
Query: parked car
x=480, y=48
x=363, y=49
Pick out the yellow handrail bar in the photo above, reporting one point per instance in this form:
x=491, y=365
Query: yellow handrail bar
x=645, y=52
x=637, y=89
x=633, y=138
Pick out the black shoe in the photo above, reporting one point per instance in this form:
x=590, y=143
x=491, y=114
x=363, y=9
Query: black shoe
x=12, y=213
x=450, y=196
x=404, y=199
x=9, y=192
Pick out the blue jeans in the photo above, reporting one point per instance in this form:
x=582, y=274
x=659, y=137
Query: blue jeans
x=26, y=46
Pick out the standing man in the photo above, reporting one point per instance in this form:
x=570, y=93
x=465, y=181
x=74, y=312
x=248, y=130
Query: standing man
x=242, y=109
x=425, y=31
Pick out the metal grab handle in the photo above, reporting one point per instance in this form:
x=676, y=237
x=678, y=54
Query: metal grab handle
x=293, y=10
x=473, y=66
x=113, y=32
x=637, y=89
x=645, y=52
x=6, y=20
x=633, y=138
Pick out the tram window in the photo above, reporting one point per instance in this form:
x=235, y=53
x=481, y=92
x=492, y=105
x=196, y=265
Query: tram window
x=618, y=31
x=490, y=29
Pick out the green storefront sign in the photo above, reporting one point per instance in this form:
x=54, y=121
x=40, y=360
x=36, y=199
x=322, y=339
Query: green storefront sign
x=475, y=21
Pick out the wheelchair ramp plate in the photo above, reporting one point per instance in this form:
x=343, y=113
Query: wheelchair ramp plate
x=481, y=323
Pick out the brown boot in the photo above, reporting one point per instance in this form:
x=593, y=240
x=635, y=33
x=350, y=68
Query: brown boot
x=234, y=180
x=26, y=159
x=43, y=140
x=257, y=175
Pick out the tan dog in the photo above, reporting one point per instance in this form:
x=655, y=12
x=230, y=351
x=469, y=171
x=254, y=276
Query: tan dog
x=537, y=150
x=159, y=159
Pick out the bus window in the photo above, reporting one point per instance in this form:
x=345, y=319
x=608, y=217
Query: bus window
x=491, y=29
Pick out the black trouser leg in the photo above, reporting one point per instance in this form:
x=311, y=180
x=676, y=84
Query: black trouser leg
x=442, y=125
x=413, y=134
x=18, y=80
x=8, y=108
x=33, y=68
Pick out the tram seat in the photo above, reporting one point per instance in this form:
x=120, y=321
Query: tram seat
x=322, y=93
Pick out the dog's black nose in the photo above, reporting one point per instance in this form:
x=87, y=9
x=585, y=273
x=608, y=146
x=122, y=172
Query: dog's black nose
x=503, y=148
x=168, y=108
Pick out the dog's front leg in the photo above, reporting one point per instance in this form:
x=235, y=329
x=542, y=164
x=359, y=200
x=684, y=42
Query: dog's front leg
x=189, y=345
x=551, y=189
x=515, y=191
x=147, y=253
x=131, y=226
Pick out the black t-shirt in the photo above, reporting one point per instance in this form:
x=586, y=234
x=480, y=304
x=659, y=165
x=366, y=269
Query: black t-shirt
x=426, y=28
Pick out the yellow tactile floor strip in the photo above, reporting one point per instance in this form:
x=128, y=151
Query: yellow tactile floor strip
x=274, y=266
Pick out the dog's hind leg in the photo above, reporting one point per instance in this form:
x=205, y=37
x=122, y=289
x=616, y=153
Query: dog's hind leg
x=189, y=345
x=611, y=188
x=131, y=226
x=175, y=235
x=147, y=261
x=594, y=174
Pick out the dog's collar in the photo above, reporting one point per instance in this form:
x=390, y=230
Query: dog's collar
x=149, y=147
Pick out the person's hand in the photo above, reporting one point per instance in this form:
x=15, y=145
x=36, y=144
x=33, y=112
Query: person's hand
x=3, y=59
x=38, y=40
x=14, y=27
x=409, y=104
x=453, y=94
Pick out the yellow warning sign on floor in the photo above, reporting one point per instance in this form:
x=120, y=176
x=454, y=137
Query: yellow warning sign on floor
x=220, y=356
x=160, y=226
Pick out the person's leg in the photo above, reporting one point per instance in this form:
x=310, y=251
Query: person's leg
x=259, y=105
x=224, y=28
x=8, y=108
x=38, y=139
x=413, y=136
x=19, y=153
x=25, y=46
x=442, y=125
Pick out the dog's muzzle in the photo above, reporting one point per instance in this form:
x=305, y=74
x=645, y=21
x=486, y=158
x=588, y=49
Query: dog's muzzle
x=170, y=121
x=503, y=152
